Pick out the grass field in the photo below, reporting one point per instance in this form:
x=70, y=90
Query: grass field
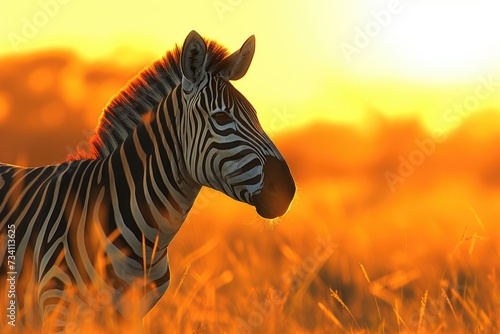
x=351, y=256
x=356, y=253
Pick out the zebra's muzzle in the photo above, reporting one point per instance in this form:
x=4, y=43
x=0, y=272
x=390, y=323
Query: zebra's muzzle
x=277, y=191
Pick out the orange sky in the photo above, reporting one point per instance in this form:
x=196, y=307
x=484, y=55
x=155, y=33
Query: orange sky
x=339, y=60
x=321, y=59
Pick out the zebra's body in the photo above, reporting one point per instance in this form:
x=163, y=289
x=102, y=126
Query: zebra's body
x=102, y=224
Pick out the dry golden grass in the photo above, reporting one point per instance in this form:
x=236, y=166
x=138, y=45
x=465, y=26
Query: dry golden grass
x=351, y=256
x=320, y=276
x=420, y=260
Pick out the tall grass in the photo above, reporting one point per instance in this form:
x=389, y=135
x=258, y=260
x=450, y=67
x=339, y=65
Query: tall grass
x=357, y=273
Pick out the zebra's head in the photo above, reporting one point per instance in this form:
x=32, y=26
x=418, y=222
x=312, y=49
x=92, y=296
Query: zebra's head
x=224, y=145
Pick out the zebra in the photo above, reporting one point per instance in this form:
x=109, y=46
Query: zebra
x=102, y=220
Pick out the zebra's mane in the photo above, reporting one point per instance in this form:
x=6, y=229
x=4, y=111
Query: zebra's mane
x=141, y=95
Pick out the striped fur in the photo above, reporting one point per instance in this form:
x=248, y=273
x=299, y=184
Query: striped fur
x=100, y=223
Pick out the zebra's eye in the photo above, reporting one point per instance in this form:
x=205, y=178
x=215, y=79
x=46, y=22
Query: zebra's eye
x=222, y=118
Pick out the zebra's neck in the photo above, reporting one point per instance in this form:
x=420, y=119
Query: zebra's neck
x=150, y=165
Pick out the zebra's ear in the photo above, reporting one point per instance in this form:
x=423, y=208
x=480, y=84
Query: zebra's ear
x=237, y=64
x=193, y=57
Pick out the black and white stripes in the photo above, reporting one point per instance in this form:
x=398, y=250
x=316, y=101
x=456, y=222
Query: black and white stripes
x=102, y=222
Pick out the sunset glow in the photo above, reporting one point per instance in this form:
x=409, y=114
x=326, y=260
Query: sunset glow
x=348, y=47
x=387, y=112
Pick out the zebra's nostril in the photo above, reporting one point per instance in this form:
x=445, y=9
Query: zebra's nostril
x=277, y=191
x=135, y=189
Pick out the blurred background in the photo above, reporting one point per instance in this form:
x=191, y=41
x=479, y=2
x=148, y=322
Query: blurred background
x=387, y=112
